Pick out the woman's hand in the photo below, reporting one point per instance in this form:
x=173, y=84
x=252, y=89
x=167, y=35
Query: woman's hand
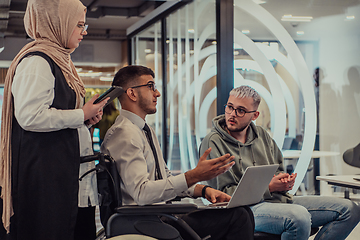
x=93, y=112
x=97, y=118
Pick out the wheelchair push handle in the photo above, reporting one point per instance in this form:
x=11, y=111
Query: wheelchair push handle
x=96, y=156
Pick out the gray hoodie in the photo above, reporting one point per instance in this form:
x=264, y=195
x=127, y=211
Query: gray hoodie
x=259, y=149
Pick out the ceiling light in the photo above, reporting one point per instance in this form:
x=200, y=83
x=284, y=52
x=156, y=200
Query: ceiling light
x=259, y=1
x=106, y=79
x=300, y=33
x=213, y=42
x=167, y=41
x=350, y=18
x=191, y=31
x=291, y=18
x=90, y=74
x=148, y=50
x=236, y=53
x=245, y=31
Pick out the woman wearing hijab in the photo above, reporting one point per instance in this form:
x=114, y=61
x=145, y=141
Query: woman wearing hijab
x=43, y=131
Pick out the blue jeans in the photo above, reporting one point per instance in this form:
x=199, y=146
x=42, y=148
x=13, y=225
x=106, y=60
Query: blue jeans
x=337, y=217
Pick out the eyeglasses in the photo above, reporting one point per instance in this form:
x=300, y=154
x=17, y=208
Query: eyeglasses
x=150, y=85
x=84, y=27
x=238, y=111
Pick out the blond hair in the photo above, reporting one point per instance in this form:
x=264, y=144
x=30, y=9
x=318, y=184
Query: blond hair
x=246, y=92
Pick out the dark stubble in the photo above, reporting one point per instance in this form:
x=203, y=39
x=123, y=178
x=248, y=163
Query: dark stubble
x=144, y=104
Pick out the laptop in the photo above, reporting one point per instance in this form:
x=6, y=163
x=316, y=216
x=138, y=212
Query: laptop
x=250, y=189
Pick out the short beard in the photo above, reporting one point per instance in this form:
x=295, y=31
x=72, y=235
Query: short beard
x=237, y=129
x=143, y=105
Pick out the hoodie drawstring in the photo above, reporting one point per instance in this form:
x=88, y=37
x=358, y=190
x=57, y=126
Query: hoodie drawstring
x=253, y=156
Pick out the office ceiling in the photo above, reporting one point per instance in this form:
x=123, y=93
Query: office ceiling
x=109, y=19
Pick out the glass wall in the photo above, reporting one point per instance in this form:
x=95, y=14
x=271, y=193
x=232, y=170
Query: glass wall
x=268, y=59
x=191, y=75
x=146, y=51
x=301, y=56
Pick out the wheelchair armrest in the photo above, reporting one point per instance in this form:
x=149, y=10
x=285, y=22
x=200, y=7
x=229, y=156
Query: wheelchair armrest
x=174, y=208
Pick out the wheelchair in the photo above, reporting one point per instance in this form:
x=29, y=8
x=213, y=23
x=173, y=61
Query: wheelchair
x=142, y=220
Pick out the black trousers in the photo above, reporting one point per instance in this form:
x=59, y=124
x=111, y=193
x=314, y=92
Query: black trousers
x=85, y=228
x=222, y=224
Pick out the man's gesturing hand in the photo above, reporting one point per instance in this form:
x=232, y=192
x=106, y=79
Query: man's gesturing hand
x=208, y=169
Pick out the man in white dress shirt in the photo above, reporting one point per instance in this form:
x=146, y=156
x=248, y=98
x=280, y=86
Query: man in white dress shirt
x=145, y=179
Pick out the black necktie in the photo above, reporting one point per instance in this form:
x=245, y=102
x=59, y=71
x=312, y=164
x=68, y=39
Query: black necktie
x=150, y=140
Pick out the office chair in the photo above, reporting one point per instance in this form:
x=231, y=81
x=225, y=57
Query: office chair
x=352, y=156
x=132, y=219
x=291, y=144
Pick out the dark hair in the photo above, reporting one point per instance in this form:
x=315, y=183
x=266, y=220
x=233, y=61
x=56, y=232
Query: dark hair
x=129, y=74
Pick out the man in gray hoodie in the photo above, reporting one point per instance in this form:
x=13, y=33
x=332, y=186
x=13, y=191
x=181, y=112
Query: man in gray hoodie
x=280, y=212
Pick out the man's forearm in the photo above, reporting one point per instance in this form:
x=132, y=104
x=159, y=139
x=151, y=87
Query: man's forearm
x=191, y=178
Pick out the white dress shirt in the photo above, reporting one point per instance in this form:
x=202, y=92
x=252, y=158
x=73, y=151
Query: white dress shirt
x=33, y=92
x=126, y=142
